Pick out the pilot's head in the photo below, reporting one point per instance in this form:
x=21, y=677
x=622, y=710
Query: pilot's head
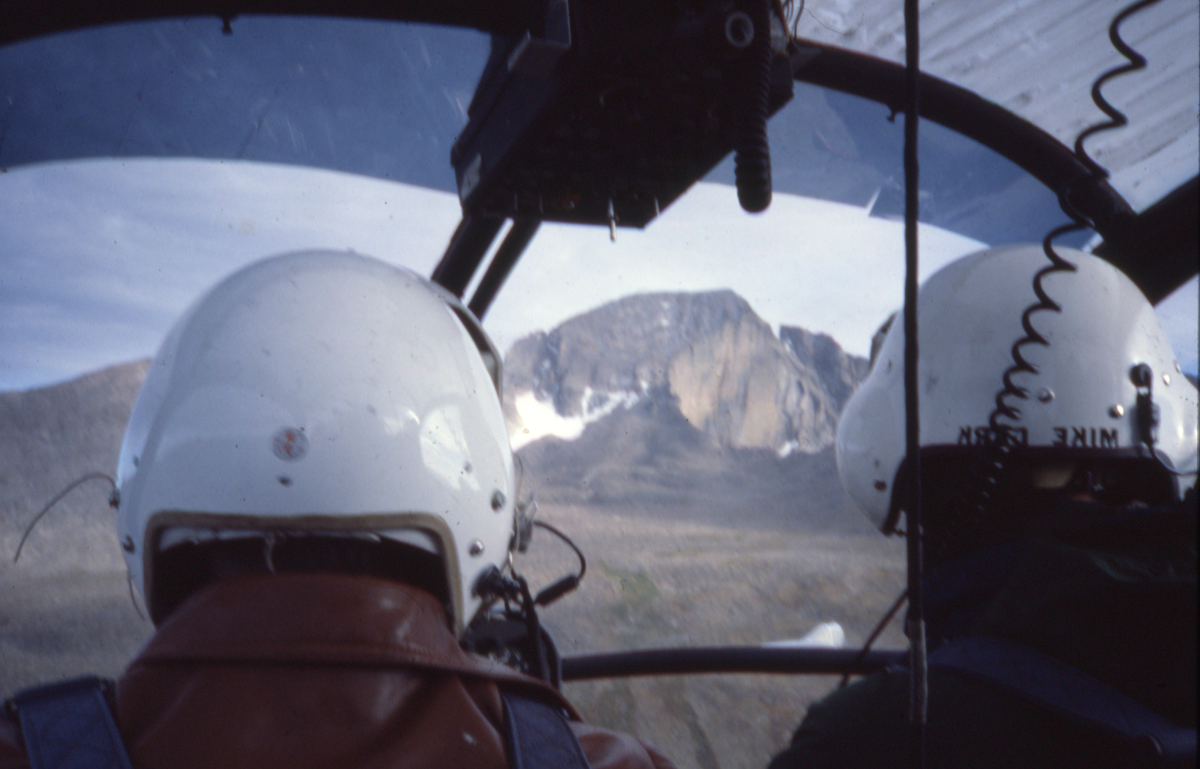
x=319, y=412
x=1101, y=412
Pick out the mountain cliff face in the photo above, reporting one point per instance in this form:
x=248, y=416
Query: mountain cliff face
x=707, y=356
x=838, y=371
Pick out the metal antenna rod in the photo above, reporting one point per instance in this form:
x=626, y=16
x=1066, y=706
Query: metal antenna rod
x=918, y=704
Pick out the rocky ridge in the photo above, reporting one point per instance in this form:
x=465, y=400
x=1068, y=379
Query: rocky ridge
x=706, y=355
x=837, y=370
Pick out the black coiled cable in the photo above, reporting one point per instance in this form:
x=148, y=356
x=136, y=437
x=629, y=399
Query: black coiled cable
x=973, y=507
x=1116, y=119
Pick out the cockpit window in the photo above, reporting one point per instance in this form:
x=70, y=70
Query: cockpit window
x=673, y=392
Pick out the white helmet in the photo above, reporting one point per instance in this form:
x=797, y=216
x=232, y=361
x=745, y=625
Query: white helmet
x=1082, y=401
x=322, y=392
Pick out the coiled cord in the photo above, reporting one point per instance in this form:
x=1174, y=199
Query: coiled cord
x=1116, y=119
x=970, y=516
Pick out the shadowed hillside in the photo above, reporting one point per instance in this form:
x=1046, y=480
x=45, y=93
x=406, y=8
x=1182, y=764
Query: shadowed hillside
x=659, y=465
x=50, y=437
x=65, y=607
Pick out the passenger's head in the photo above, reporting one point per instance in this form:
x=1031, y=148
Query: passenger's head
x=319, y=412
x=1104, y=413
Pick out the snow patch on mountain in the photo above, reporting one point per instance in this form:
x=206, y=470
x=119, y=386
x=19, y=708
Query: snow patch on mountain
x=540, y=419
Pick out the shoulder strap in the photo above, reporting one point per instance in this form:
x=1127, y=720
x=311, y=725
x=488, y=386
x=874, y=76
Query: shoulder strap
x=1062, y=688
x=538, y=737
x=68, y=725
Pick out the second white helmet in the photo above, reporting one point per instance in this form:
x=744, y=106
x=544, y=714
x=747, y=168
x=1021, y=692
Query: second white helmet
x=1082, y=401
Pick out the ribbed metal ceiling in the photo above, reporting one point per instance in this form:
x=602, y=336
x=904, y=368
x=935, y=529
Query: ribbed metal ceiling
x=1039, y=60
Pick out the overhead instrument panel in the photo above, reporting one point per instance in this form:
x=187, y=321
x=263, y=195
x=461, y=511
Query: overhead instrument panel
x=611, y=110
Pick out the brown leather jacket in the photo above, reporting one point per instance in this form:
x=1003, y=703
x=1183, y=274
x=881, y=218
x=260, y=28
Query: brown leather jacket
x=303, y=670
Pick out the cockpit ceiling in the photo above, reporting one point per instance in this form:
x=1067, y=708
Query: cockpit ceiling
x=1036, y=59
x=1039, y=61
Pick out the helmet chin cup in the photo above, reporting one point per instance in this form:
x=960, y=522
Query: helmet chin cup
x=324, y=391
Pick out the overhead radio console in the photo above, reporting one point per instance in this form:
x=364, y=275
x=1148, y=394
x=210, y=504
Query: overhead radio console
x=613, y=108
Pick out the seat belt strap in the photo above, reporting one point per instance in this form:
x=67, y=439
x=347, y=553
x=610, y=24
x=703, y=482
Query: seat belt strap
x=68, y=725
x=538, y=737
x=1068, y=691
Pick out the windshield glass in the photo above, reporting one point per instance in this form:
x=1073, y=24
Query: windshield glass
x=673, y=392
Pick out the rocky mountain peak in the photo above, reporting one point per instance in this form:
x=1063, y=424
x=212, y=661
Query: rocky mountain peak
x=706, y=356
x=619, y=347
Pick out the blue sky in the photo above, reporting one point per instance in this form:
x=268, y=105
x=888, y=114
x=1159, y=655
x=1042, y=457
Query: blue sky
x=101, y=256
